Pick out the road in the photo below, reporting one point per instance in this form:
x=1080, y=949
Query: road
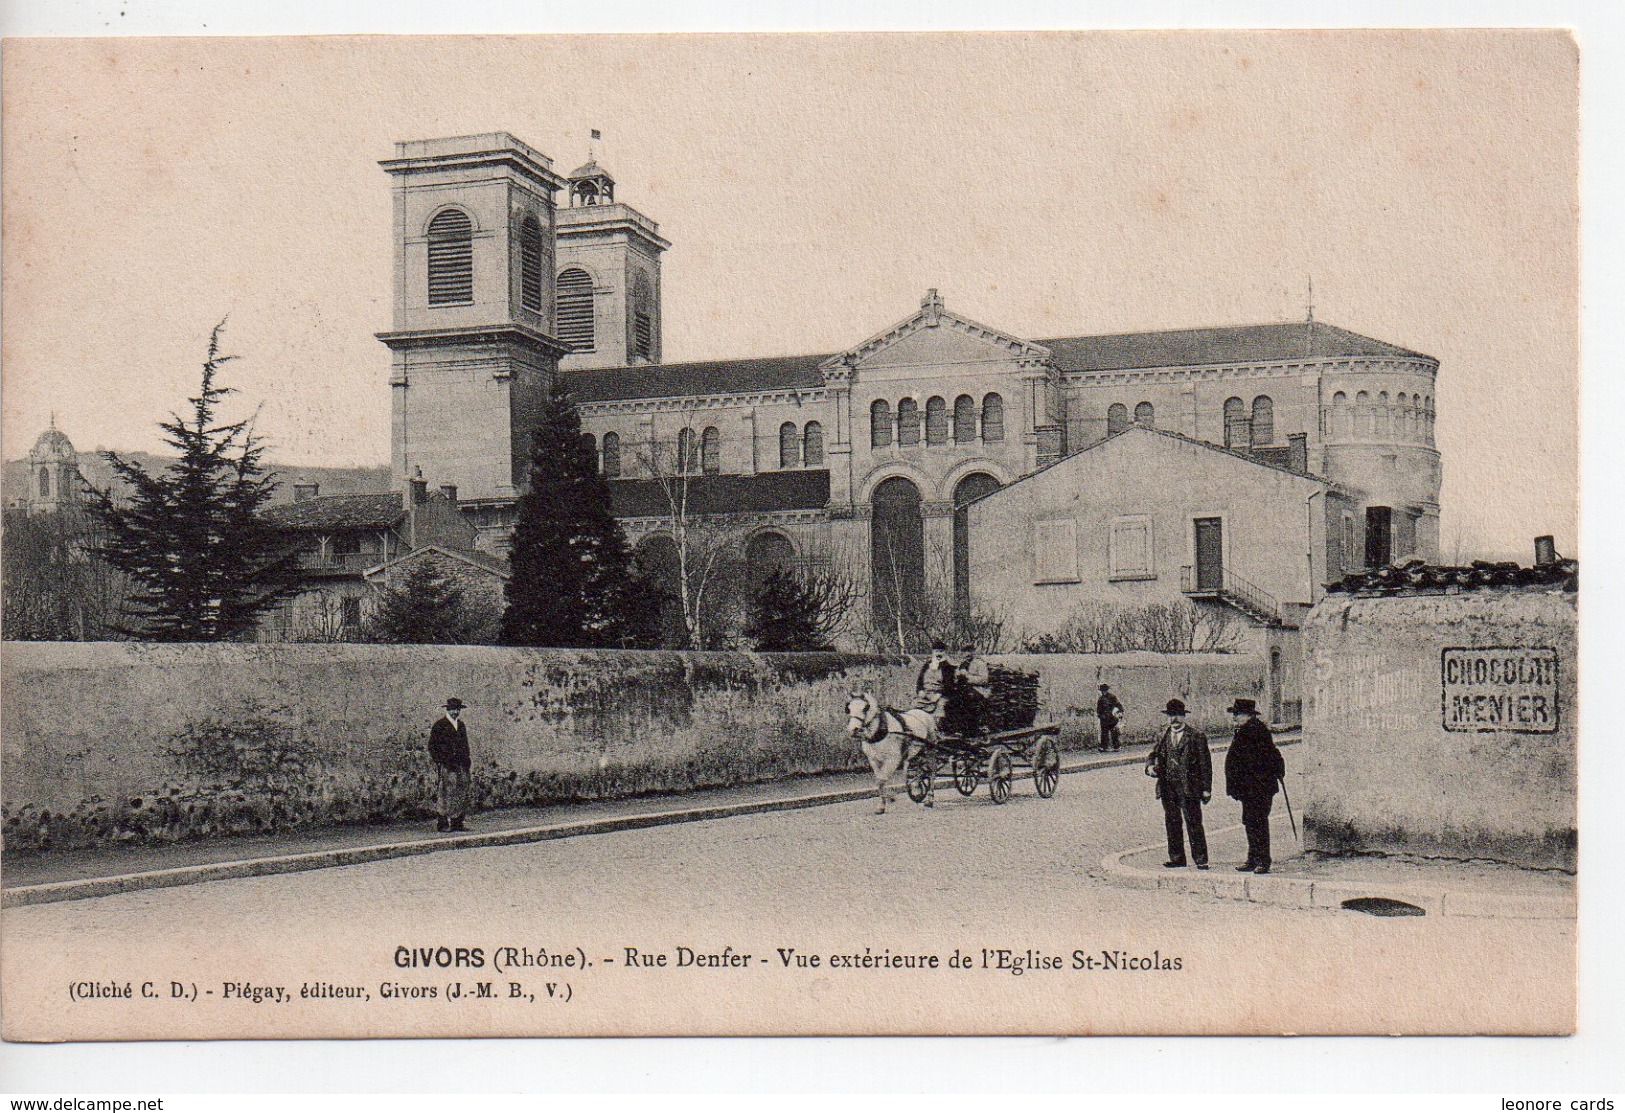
x=834, y=882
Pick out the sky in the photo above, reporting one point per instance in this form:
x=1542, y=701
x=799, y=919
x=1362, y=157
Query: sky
x=813, y=188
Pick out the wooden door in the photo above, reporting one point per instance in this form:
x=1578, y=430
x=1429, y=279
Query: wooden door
x=1209, y=554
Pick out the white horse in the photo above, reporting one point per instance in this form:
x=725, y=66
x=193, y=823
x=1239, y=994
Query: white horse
x=888, y=737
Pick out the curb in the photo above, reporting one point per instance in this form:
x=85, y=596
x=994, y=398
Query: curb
x=1303, y=892
x=88, y=888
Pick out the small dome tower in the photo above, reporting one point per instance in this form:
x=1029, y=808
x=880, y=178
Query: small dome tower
x=53, y=472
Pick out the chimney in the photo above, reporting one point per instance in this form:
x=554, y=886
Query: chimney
x=1545, y=550
x=303, y=491
x=418, y=487
x=448, y=491
x=1297, y=453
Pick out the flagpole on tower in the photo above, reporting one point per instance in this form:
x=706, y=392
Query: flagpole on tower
x=1309, y=321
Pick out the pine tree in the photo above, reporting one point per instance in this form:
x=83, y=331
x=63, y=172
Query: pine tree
x=572, y=582
x=204, y=562
x=787, y=615
x=424, y=608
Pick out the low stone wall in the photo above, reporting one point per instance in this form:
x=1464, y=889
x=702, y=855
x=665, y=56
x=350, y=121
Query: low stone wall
x=120, y=741
x=1443, y=725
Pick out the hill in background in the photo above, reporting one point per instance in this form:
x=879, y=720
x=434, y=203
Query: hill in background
x=333, y=481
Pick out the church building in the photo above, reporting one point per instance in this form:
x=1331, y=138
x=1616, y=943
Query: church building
x=939, y=459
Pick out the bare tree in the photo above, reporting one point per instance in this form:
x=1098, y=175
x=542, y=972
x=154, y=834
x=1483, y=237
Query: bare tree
x=56, y=586
x=709, y=557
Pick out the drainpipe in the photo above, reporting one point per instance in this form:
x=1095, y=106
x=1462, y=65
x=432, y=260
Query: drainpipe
x=1309, y=512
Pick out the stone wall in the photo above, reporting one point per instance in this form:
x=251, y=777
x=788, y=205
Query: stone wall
x=1443, y=725
x=109, y=742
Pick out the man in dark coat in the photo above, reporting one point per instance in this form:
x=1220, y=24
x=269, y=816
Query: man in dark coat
x=1252, y=770
x=1109, y=710
x=448, y=748
x=1183, y=766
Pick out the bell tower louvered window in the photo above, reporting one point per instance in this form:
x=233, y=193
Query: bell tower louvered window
x=643, y=321
x=530, y=265
x=451, y=258
x=575, y=322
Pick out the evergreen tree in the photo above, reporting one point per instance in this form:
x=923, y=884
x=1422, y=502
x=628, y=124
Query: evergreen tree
x=204, y=562
x=787, y=615
x=572, y=580
x=424, y=608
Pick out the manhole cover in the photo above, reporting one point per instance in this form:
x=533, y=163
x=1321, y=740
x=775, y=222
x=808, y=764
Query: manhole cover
x=1382, y=906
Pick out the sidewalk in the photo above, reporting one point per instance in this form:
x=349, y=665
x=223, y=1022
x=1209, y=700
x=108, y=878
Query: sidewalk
x=1438, y=887
x=78, y=875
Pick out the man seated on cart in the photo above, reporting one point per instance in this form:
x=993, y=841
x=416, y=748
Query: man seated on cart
x=968, y=694
x=932, y=685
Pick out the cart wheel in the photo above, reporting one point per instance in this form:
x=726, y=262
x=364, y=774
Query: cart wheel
x=921, y=776
x=998, y=777
x=1046, y=767
x=967, y=775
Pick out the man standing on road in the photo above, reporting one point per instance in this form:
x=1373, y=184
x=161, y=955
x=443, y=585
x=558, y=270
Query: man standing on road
x=1109, y=710
x=1252, y=770
x=1183, y=766
x=448, y=747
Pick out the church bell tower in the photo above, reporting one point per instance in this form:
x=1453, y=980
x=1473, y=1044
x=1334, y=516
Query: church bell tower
x=474, y=350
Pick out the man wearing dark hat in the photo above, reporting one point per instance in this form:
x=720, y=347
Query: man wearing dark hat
x=1183, y=766
x=1252, y=770
x=1109, y=711
x=448, y=748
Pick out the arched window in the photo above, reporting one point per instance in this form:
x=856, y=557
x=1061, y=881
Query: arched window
x=766, y=553
x=1263, y=431
x=451, y=258
x=1145, y=414
x=964, y=419
x=1404, y=415
x=530, y=264
x=1340, y=415
x=688, y=452
x=589, y=445
x=1237, y=432
x=789, y=445
x=643, y=320
x=657, y=561
x=1116, y=419
x=879, y=423
x=908, y=422
x=992, y=418
x=897, y=562
x=711, y=451
x=1365, y=422
x=612, y=455
x=967, y=490
x=1384, y=415
x=812, y=445
x=575, y=323
x=936, y=421
x=44, y=484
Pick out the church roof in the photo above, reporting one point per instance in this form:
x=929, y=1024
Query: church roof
x=1176, y=348
x=1204, y=346
x=339, y=512
x=591, y=169
x=680, y=380
x=53, y=444
x=724, y=494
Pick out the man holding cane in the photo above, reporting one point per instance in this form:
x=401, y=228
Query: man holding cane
x=1252, y=770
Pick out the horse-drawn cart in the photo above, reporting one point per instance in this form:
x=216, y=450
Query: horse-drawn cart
x=971, y=760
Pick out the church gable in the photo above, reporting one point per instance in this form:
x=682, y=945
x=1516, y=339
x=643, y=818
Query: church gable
x=934, y=336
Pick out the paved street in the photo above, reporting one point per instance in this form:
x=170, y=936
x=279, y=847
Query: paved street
x=833, y=880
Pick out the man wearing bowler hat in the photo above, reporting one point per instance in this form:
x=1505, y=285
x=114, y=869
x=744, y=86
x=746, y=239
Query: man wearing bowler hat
x=448, y=747
x=1109, y=712
x=1183, y=767
x=1252, y=770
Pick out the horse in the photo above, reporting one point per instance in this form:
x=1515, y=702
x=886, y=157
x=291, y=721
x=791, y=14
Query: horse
x=887, y=736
